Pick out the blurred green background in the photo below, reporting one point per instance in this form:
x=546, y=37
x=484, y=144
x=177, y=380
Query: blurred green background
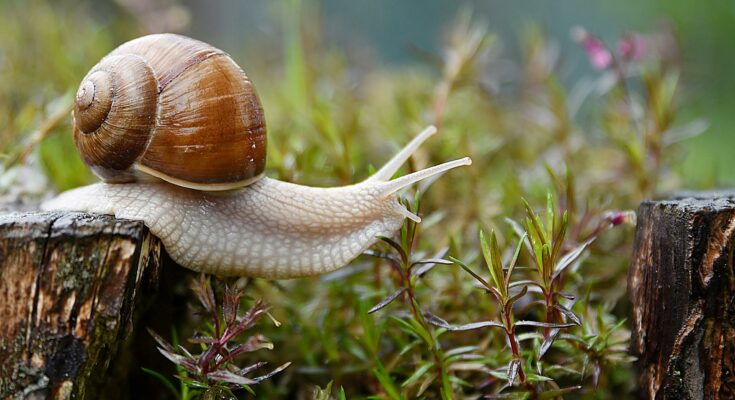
x=46, y=47
x=391, y=30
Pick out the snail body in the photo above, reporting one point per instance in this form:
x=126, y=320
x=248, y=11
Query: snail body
x=233, y=223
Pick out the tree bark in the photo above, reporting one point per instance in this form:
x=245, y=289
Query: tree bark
x=682, y=287
x=71, y=286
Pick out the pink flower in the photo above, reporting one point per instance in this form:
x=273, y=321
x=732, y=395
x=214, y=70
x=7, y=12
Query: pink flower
x=599, y=56
x=621, y=217
x=633, y=46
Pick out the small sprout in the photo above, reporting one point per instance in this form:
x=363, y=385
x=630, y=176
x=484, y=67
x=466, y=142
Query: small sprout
x=214, y=368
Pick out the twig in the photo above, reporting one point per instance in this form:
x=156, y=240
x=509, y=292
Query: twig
x=38, y=136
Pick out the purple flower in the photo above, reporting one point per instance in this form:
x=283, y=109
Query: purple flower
x=633, y=46
x=599, y=55
x=620, y=217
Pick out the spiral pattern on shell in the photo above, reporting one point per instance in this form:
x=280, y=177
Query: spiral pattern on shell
x=172, y=107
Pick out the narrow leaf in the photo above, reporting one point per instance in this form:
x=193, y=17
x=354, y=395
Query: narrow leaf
x=535, y=378
x=161, y=342
x=230, y=377
x=513, y=261
x=568, y=313
x=176, y=358
x=543, y=324
x=460, y=350
x=250, y=368
x=520, y=232
x=468, y=366
x=230, y=305
x=536, y=223
x=525, y=282
x=426, y=383
x=428, y=264
x=497, y=260
x=387, y=300
x=386, y=382
x=488, y=253
x=183, y=350
x=547, y=264
x=596, y=371
x=471, y=272
x=433, y=261
x=201, y=339
x=419, y=329
x=568, y=258
x=437, y=321
x=559, y=239
x=472, y=325
x=446, y=392
x=573, y=338
x=270, y=374
x=420, y=371
x=513, y=367
x=548, y=341
x=409, y=346
x=203, y=290
x=396, y=246
x=517, y=296
x=565, y=295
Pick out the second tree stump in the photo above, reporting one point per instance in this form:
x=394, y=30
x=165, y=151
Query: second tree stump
x=682, y=288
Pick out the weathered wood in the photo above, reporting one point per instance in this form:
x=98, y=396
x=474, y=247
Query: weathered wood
x=71, y=286
x=682, y=288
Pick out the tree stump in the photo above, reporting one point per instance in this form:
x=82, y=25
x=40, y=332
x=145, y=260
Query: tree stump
x=682, y=287
x=71, y=286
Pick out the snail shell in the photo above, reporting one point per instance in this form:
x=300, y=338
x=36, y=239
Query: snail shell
x=174, y=108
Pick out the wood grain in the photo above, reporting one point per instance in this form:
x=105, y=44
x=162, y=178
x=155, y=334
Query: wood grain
x=682, y=287
x=71, y=286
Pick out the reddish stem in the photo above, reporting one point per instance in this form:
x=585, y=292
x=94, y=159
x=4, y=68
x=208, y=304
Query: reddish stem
x=208, y=356
x=549, y=298
x=514, y=347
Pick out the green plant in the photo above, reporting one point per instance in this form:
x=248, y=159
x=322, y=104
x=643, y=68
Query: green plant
x=213, y=371
x=417, y=323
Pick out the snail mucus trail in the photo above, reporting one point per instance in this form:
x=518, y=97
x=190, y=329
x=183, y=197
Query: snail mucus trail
x=226, y=219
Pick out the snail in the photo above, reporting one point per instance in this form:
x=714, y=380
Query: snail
x=176, y=131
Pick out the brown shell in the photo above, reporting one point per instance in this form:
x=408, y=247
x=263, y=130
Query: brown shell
x=172, y=107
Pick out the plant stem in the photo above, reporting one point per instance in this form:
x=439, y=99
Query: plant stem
x=514, y=346
x=39, y=135
x=433, y=347
x=548, y=301
x=208, y=356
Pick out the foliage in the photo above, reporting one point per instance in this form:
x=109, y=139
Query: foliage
x=212, y=373
x=547, y=317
